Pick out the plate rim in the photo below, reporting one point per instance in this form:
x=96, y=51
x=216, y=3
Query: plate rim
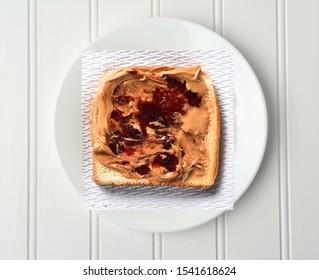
x=237, y=194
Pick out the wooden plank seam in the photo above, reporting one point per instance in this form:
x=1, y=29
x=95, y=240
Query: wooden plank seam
x=284, y=191
x=156, y=8
x=95, y=252
x=32, y=129
x=157, y=237
x=221, y=221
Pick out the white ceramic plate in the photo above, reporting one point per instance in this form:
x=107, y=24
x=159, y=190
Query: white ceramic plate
x=167, y=34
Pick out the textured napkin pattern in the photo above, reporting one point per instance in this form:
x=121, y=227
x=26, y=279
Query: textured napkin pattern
x=220, y=66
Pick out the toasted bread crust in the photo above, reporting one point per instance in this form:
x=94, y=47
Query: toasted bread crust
x=103, y=175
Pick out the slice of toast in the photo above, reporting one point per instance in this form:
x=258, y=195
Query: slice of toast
x=191, y=159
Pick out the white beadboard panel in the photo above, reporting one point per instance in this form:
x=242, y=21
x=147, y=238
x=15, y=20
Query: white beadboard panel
x=14, y=126
x=220, y=222
x=303, y=133
x=94, y=24
x=119, y=243
x=32, y=139
x=194, y=244
x=198, y=243
x=197, y=11
x=253, y=227
x=283, y=140
x=62, y=222
x=115, y=12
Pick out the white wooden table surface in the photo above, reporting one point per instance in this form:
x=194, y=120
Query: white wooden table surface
x=41, y=215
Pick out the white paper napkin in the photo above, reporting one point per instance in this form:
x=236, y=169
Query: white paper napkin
x=220, y=66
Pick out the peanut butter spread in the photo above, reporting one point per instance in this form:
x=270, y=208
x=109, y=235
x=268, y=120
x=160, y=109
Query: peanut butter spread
x=151, y=122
